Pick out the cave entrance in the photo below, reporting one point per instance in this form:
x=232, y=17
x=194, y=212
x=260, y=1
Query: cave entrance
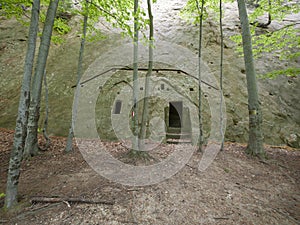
x=175, y=114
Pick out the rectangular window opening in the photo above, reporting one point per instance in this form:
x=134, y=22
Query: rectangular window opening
x=117, y=109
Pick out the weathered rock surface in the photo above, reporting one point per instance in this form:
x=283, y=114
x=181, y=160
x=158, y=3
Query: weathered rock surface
x=279, y=97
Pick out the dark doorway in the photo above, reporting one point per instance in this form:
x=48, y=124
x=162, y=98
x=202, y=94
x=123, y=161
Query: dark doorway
x=175, y=114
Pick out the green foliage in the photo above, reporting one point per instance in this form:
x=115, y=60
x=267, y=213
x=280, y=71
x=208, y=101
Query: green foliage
x=289, y=72
x=65, y=6
x=61, y=27
x=93, y=33
x=20, y=9
x=57, y=39
x=14, y=8
x=2, y=195
x=191, y=12
x=277, y=9
x=285, y=39
x=117, y=13
x=282, y=43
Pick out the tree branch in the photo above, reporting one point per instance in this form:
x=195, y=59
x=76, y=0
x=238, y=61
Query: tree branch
x=41, y=199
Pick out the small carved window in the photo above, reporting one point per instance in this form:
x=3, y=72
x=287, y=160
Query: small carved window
x=118, y=106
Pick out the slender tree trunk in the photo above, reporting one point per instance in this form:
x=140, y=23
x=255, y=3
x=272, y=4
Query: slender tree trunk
x=143, y=131
x=31, y=144
x=79, y=74
x=221, y=76
x=255, y=142
x=21, y=123
x=200, y=12
x=48, y=140
x=135, y=79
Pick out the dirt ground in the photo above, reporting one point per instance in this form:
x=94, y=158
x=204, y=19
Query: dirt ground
x=235, y=189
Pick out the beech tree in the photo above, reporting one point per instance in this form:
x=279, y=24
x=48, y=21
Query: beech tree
x=195, y=12
x=143, y=131
x=30, y=133
x=221, y=74
x=255, y=142
x=79, y=74
x=31, y=143
x=21, y=124
x=135, y=119
x=200, y=14
x=18, y=9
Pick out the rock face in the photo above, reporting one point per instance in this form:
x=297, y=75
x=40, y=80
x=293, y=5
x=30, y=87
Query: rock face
x=279, y=97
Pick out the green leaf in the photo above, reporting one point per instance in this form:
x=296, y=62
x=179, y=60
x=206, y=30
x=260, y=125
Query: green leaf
x=290, y=72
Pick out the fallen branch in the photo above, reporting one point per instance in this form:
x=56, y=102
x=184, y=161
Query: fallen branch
x=34, y=200
x=39, y=208
x=221, y=218
x=33, y=211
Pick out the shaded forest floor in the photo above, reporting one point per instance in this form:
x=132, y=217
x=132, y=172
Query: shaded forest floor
x=235, y=189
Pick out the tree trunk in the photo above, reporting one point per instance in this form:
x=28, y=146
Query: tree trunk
x=135, y=79
x=31, y=144
x=48, y=140
x=69, y=144
x=221, y=76
x=200, y=12
x=21, y=123
x=255, y=142
x=143, y=131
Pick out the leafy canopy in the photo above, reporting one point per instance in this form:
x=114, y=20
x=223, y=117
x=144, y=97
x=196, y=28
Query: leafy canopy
x=118, y=13
x=20, y=9
x=283, y=43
